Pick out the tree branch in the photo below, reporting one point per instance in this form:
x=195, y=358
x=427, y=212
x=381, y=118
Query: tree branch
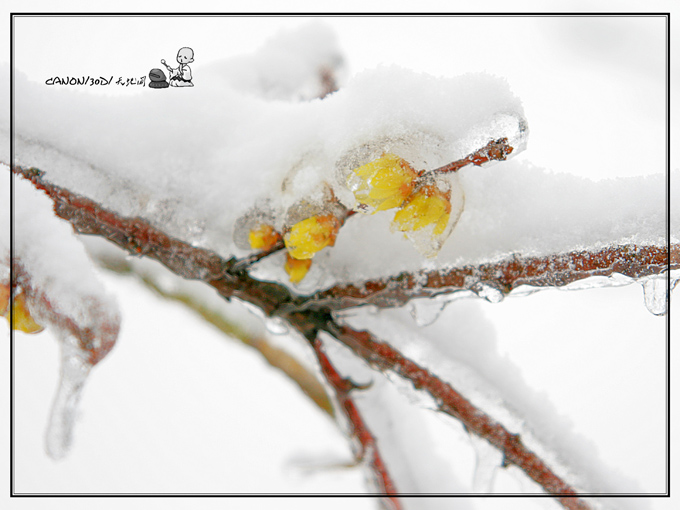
x=384, y=357
x=139, y=237
x=496, y=150
x=555, y=270
x=369, y=447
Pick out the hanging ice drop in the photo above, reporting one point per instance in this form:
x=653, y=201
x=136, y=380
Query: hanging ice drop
x=488, y=291
x=426, y=311
x=74, y=371
x=656, y=294
x=487, y=459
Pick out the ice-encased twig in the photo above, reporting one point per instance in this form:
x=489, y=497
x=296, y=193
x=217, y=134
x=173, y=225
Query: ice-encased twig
x=384, y=357
x=551, y=271
x=368, y=451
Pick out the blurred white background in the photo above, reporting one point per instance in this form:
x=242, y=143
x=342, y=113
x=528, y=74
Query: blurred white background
x=178, y=408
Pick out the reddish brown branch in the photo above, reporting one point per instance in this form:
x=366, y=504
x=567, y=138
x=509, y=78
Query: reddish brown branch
x=139, y=237
x=367, y=441
x=309, y=315
x=246, y=262
x=496, y=150
x=95, y=340
x=555, y=270
x=384, y=357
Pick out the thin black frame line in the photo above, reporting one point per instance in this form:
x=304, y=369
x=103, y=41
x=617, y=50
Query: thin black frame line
x=274, y=14
x=11, y=256
x=341, y=14
x=668, y=224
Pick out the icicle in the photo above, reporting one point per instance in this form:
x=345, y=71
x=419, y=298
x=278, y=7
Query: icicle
x=487, y=459
x=426, y=311
x=74, y=371
x=488, y=291
x=656, y=294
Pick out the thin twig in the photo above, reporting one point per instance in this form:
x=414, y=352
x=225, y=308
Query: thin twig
x=384, y=357
x=368, y=442
x=496, y=150
x=249, y=260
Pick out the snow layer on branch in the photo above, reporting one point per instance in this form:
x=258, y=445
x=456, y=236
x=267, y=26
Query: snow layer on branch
x=63, y=293
x=195, y=160
x=290, y=66
x=52, y=258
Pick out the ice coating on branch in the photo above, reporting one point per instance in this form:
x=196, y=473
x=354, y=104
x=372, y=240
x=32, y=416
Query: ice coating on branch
x=465, y=356
x=64, y=294
x=414, y=458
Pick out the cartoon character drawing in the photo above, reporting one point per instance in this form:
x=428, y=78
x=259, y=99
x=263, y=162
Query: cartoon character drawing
x=181, y=76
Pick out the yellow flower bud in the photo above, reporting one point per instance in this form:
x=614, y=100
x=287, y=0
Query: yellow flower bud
x=264, y=237
x=427, y=206
x=21, y=317
x=4, y=299
x=311, y=235
x=296, y=269
x=382, y=184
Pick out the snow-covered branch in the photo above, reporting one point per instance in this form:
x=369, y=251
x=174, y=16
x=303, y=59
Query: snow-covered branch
x=308, y=316
x=492, y=281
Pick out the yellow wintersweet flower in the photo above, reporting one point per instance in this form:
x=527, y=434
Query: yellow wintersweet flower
x=21, y=317
x=309, y=236
x=296, y=269
x=382, y=184
x=4, y=298
x=264, y=237
x=427, y=206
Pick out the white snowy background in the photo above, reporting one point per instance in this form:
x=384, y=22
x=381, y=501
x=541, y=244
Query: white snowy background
x=179, y=408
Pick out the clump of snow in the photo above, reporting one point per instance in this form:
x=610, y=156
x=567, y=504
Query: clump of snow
x=290, y=66
x=194, y=164
x=54, y=260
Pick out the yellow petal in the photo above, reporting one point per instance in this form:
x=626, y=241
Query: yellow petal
x=383, y=183
x=21, y=317
x=264, y=237
x=389, y=203
x=311, y=235
x=441, y=225
x=426, y=206
x=296, y=269
x=4, y=299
